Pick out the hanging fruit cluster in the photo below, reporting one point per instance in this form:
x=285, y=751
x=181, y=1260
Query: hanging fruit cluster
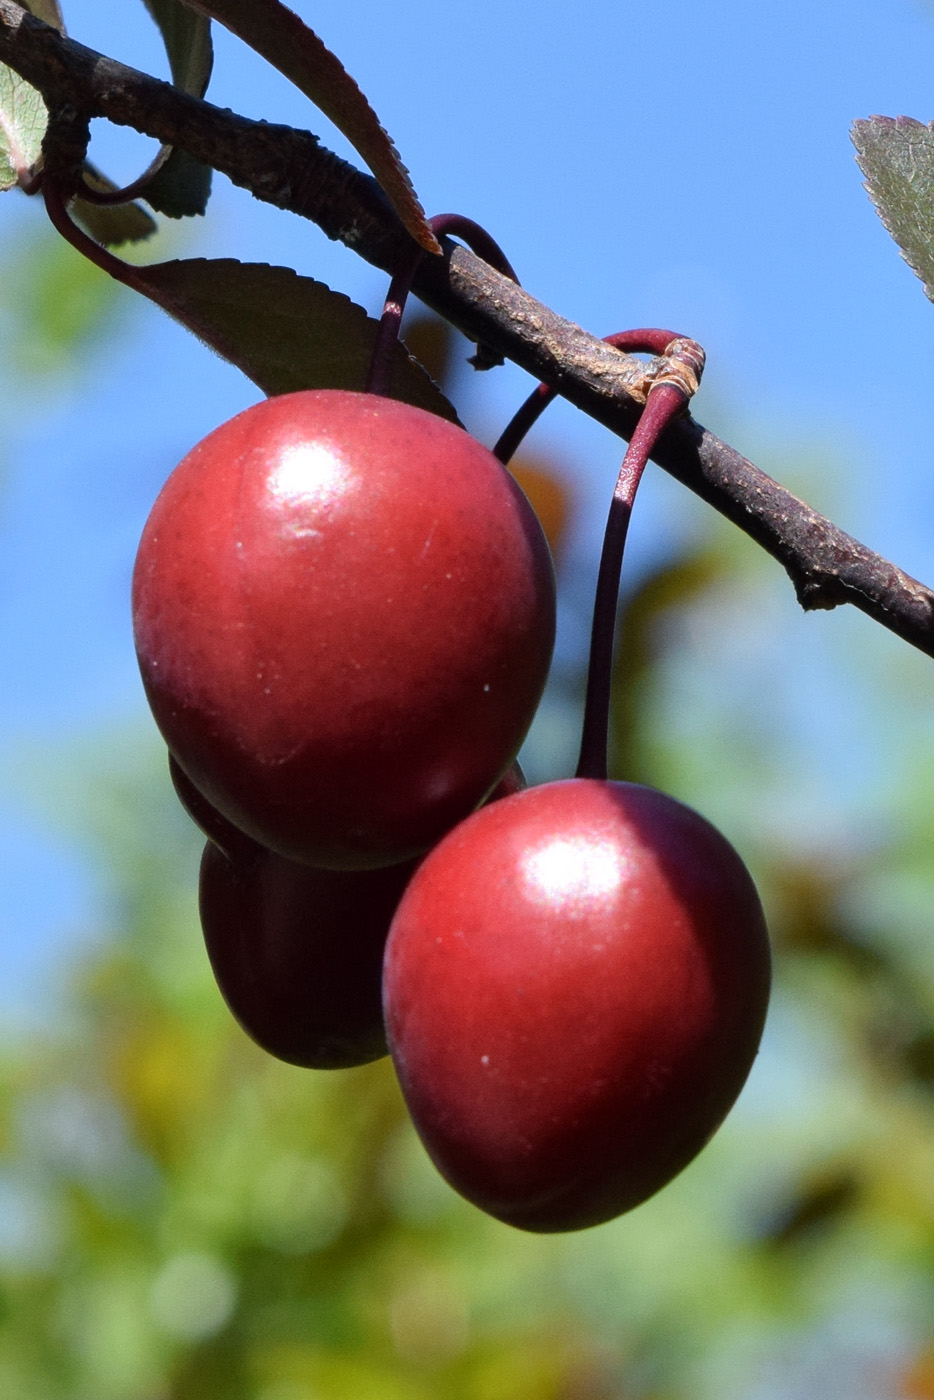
x=344, y=611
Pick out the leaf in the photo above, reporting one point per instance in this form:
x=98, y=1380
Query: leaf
x=284, y=331
x=23, y=114
x=23, y=120
x=896, y=154
x=180, y=186
x=49, y=11
x=279, y=36
x=434, y=343
x=110, y=224
x=187, y=39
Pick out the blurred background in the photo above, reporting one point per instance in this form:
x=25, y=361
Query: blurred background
x=183, y=1218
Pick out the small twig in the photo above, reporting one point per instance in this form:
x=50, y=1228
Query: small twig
x=291, y=170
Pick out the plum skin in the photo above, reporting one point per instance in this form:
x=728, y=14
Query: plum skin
x=574, y=990
x=344, y=614
x=297, y=952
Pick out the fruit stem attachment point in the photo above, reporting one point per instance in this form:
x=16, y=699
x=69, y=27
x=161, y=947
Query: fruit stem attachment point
x=379, y=378
x=678, y=377
x=681, y=361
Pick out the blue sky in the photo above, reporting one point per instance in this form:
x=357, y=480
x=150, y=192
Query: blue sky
x=671, y=165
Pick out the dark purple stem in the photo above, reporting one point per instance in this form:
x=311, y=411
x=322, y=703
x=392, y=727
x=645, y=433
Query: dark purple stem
x=648, y=340
x=524, y=419
x=130, y=276
x=125, y=195
x=476, y=238
x=677, y=379
x=101, y=257
x=665, y=400
x=379, y=378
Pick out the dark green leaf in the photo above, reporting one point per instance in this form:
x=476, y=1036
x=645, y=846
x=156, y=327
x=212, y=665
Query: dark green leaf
x=288, y=44
x=181, y=187
x=284, y=331
x=187, y=39
x=896, y=154
x=113, y=224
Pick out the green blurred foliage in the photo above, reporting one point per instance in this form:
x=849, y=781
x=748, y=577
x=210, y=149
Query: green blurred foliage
x=54, y=305
x=184, y=1218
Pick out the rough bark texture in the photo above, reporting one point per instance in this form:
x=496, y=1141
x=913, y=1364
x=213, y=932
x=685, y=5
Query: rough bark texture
x=291, y=170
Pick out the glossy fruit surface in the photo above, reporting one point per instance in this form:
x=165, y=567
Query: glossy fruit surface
x=575, y=986
x=344, y=615
x=297, y=952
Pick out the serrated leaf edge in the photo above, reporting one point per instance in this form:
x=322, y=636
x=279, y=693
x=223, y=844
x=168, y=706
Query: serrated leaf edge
x=342, y=101
x=870, y=186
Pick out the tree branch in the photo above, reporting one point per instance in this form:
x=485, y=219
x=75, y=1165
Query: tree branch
x=290, y=169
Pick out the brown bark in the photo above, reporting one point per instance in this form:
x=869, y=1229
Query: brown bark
x=291, y=170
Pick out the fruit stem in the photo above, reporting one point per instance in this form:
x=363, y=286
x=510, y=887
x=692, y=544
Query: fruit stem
x=94, y=252
x=647, y=340
x=672, y=386
x=520, y=423
x=130, y=276
x=667, y=397
x=379, y=378
x=129, y=192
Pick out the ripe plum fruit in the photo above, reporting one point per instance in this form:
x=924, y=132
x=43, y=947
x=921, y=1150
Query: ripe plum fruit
x=297, y=952
x=344, y=615
x=574, y=989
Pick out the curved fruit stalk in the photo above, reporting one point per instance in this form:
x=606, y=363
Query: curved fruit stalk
x=344, y=614
x=442, y=225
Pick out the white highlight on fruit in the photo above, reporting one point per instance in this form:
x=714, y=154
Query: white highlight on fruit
x=572, y=871
x=309, y=476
